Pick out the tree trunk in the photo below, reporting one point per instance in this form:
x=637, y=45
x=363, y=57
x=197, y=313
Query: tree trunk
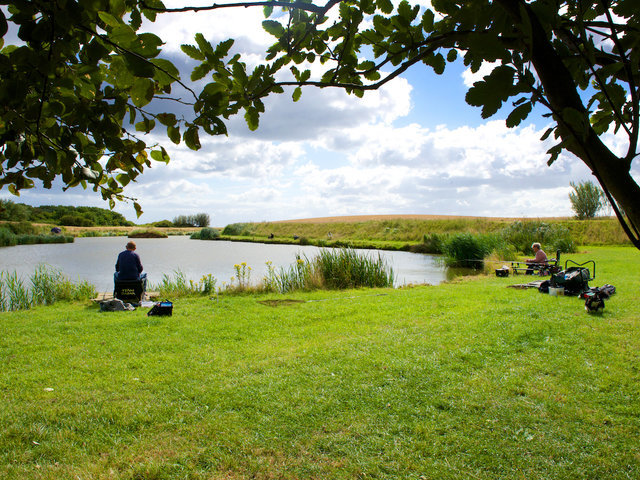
x=612, y=172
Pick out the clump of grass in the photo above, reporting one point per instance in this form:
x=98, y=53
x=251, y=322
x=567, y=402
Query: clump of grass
x=179, y=286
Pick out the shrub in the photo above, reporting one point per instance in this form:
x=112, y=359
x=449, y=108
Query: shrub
x=552, y=236
x=7, y=238
x=21, y=228
x=206, y=234
x=163, y=224
x=76, y=220
x=235, y=229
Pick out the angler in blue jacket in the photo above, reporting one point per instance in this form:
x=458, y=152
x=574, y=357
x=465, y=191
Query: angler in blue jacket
x=129, y=266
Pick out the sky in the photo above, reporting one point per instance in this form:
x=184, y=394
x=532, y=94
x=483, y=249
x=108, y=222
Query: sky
x=412, y=147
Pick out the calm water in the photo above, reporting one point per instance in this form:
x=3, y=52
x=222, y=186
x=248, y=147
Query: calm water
x=93, y=259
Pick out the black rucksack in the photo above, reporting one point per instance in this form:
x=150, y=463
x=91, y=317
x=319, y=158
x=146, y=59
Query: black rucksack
x=574, y=280
x=161, y=309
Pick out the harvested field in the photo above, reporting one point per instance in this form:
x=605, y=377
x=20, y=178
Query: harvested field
x=369, y=218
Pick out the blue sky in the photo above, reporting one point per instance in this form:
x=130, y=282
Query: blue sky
x=413, y=147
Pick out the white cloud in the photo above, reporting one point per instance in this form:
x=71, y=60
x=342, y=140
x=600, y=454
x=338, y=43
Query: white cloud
x=469, y=77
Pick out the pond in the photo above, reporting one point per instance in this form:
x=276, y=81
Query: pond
x=93, y=259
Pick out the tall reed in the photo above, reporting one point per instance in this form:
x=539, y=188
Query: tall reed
x=331, y=269
x=46, y=286
x=16, y=294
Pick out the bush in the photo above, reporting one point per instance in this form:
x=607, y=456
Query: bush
x=163, y=224
x=21, y=228
x=75, y=220
x=7, y=238
x=236, y=229
x=552, y=236
x=206, y=234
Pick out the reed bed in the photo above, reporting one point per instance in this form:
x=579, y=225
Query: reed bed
x=329, y=270
x=44, y=287
x=336, y=269
x=10, y=239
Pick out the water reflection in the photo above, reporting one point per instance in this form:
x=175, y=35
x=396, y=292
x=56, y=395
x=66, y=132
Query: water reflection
x=93, y=259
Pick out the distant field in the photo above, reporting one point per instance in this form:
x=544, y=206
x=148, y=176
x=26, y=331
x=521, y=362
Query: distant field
x=369, y=218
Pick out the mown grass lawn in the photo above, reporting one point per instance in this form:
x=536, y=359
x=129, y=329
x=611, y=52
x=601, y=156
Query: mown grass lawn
x=464, y=380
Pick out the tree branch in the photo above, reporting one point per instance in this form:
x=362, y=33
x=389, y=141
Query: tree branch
x=633, y=91
x=309, y=7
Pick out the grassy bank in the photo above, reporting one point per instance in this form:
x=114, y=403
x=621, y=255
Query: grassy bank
x=401, y=234
x=464, y=380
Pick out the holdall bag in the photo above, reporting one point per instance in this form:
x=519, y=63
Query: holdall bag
x=161, y=309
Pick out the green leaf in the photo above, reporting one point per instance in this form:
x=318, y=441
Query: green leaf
x=297, y=93
x=160, y=155
x=273, y=28
x=123, y=179
x=167, y=119
x=546, y=134
x=252, y=118
x=138, y=209
x=193, y=52
x=222, y=49
x=192, y=138
x=123, y=36
x=200, y=72
x=147, y=45
x=142, y=91
x=427, y=21
x=174, y=134
x=109, y=19
x=3, y=25
x=516, y=117
x=491, y=92
x=205, y=46
x=268, y=10
x=166, y=73
x=146, y=125
x=385, y=6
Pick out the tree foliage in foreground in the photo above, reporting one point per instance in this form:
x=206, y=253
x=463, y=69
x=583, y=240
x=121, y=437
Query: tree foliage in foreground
x=586, y=199
x=77, y=91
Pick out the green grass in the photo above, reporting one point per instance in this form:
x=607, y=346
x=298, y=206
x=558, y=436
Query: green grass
x=463, y=380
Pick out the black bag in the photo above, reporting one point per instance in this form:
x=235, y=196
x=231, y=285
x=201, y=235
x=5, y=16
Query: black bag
x=575, y=280
x=161, y=309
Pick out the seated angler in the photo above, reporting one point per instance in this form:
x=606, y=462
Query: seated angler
x=539, y=260
x=129, y=266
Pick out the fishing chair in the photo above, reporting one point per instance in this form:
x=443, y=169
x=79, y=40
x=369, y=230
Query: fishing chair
x=552, y=266
x=130, y=291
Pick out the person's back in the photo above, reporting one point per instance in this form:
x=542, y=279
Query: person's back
x=128, y=265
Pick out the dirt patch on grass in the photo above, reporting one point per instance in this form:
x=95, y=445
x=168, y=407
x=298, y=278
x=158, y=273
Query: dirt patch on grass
x=279, y=303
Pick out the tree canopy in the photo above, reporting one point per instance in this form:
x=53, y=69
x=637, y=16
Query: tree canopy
x=77, y=86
